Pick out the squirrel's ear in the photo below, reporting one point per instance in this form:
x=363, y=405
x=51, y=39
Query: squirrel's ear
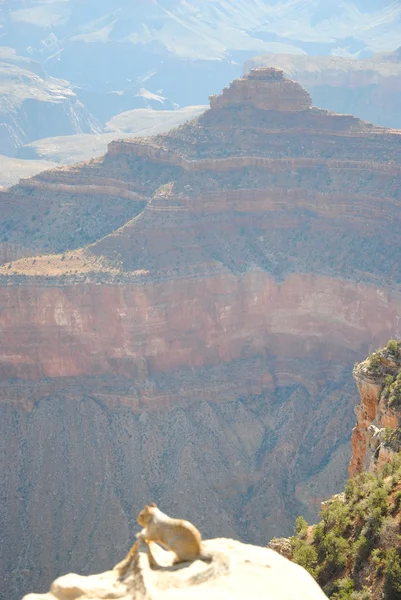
x=153, y=504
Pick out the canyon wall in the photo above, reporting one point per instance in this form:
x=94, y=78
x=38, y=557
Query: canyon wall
x=376, y=436
x=179, y=321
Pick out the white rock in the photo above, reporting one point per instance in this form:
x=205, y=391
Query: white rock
x=254, y=573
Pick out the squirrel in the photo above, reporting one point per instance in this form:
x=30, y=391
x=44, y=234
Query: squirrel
x=175, y=534
x=178, y=536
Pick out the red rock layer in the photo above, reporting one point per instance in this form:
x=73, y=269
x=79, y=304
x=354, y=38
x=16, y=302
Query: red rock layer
x=141, y=330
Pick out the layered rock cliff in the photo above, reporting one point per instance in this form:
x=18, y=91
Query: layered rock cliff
x=376, y=436
x=184, y=322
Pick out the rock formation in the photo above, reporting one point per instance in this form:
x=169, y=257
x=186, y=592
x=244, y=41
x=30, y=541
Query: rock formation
x=376, y=437
x=369, y=88
x=264, y=89
x=184, y=323
x=253, y=573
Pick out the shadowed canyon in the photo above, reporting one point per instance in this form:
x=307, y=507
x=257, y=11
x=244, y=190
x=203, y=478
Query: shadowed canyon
x=179, y=320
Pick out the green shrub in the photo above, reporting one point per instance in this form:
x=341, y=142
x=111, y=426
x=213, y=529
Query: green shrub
x=378, y=499
x=397, y=502
x=373, y=526
x=336, y=552
x=378, y=559
x=367, y=478
x=392, y=437
x=374, y=363
x=393, y=347
x=336, y=517
x=361, y=550
x=305, y=555
x=395, y=398
x=396, y=468
x=351, y=490
x=343, y=590
x=318, y=533
x=301, y=527
x=392, y=575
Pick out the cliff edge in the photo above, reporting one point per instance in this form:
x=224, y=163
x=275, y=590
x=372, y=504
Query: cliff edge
x=376, y=437
x=254, y=573
x=354, y=551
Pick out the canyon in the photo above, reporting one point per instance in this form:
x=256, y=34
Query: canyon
x=179, y=320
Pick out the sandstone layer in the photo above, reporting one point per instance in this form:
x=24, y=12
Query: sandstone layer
x=184, y=325
x=369, y=88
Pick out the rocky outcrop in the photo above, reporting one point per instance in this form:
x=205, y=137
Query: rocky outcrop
x=250, y=572
x=264, y=89
x=368, y=88
x=190, y=315
x=375, y=439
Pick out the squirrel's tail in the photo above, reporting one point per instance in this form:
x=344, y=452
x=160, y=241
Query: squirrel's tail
x=123, y=566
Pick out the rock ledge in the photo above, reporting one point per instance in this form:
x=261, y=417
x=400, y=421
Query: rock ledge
x=253, y=573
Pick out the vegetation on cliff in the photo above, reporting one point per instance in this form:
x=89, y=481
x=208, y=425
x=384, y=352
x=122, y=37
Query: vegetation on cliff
x=382, y=362
x=385, y=365
x=354, y=552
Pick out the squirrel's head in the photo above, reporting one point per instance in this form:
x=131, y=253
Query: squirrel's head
x=146, y=514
